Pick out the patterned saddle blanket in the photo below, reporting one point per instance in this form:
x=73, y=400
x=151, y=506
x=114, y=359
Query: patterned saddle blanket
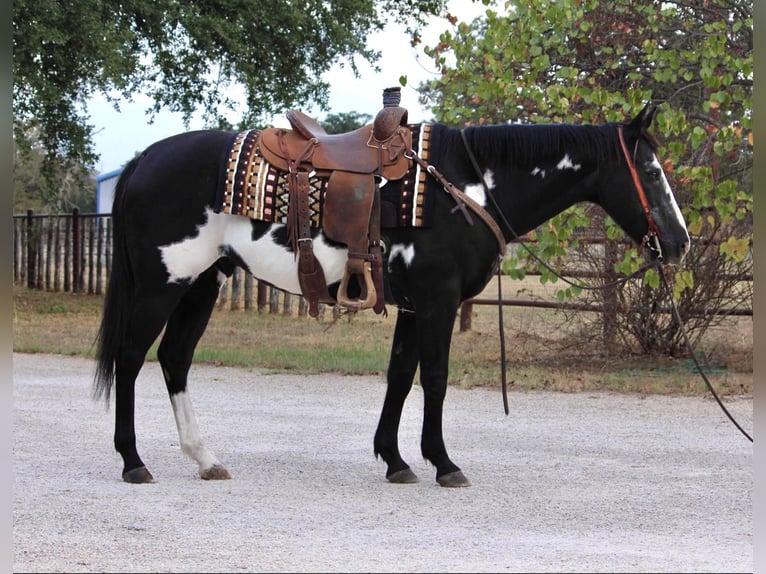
x=250, y=186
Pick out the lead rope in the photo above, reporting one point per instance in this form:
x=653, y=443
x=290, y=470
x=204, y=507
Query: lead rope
x=461, y=199
x=680, y=322
x=503, y=381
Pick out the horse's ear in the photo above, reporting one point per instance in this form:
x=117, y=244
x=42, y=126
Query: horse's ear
x=644, y=119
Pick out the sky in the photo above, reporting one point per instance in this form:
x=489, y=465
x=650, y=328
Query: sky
x=119, y=135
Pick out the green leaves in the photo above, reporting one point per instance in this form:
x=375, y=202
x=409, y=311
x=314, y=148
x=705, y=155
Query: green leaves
x=590, y=61
x=182, y=55
x=736, y=248
x=682, y=280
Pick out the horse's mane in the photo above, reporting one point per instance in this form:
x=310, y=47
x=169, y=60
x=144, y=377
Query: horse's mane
x=526, y=144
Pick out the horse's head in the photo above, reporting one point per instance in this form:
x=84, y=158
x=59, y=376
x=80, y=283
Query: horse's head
x=637, y=194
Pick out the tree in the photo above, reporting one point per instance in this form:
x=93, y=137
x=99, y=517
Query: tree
x=186, y=55
x=592, y=61
x=74, y=184
x=344, y=122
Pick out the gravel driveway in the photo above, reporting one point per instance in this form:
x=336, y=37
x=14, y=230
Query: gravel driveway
x=566, y=482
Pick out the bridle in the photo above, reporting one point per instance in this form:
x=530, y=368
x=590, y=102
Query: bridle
x=652, y=238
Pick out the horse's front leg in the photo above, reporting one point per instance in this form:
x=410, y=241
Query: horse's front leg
x=401, y=371
x=434, y=338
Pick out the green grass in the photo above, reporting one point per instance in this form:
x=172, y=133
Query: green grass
x=541, y=354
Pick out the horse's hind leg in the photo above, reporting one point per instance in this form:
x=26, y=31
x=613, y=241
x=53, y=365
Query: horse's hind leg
x=147, y=317
x=401, y=371
x=182, y=333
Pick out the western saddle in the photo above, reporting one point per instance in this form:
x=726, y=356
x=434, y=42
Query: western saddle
x=354, y=162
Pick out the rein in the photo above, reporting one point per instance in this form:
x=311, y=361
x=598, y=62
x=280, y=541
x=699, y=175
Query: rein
x=514, y=235
x=461, y=199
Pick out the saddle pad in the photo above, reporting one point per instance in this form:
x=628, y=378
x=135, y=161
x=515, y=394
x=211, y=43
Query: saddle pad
x=251, y=186
x=410, y=196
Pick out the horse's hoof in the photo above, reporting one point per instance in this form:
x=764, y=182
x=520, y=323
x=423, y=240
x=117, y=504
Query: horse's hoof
x=215, y=472
x=404, y=476
x=453, y=479
x=140, y=475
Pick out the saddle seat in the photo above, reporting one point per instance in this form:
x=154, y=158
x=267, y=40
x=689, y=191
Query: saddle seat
x=354, y=162
x=357, y=151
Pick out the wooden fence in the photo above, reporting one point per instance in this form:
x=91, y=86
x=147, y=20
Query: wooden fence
x=73, y=252
x=67, y=252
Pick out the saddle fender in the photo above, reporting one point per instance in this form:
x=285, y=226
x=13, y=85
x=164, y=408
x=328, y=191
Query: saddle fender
x=346, y=218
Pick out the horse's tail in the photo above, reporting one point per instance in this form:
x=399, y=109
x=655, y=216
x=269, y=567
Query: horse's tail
x=119, y=293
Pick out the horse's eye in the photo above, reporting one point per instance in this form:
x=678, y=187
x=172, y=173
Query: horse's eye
x=654, y=174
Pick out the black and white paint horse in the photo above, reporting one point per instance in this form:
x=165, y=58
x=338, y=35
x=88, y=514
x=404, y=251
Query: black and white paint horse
x=173, y=251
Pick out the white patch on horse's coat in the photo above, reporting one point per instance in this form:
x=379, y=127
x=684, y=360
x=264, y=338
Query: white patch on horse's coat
x=537, y=171
x=265, y=259
x=192, y=444
x=566, y=163
x=185, y=260
x=671, y=198
x=406, y=252
x=476, y=190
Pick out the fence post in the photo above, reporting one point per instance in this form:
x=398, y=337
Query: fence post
x=223, y=295
x=263, y=295
x=49, y=255
x=609, y=315
x=273, y=300
x=76, y=262
x=248, y=291
x=236, y=280
x=31, y=251
x=68, y=254
x=91, y=255
x=57, y=257
x=287, y=304
x=466, y=310
x=108, y=257
x=99, y=253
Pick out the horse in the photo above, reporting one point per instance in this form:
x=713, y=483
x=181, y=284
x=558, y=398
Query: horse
x=172, y=252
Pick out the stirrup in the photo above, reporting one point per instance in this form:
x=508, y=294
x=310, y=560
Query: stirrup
x=369, y=289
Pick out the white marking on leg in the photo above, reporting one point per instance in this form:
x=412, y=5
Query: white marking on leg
x=406, y=252
x=567, y=163
x=192, y=444
x=538, y=171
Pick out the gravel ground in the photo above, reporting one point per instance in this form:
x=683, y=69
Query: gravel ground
x=567, y=482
